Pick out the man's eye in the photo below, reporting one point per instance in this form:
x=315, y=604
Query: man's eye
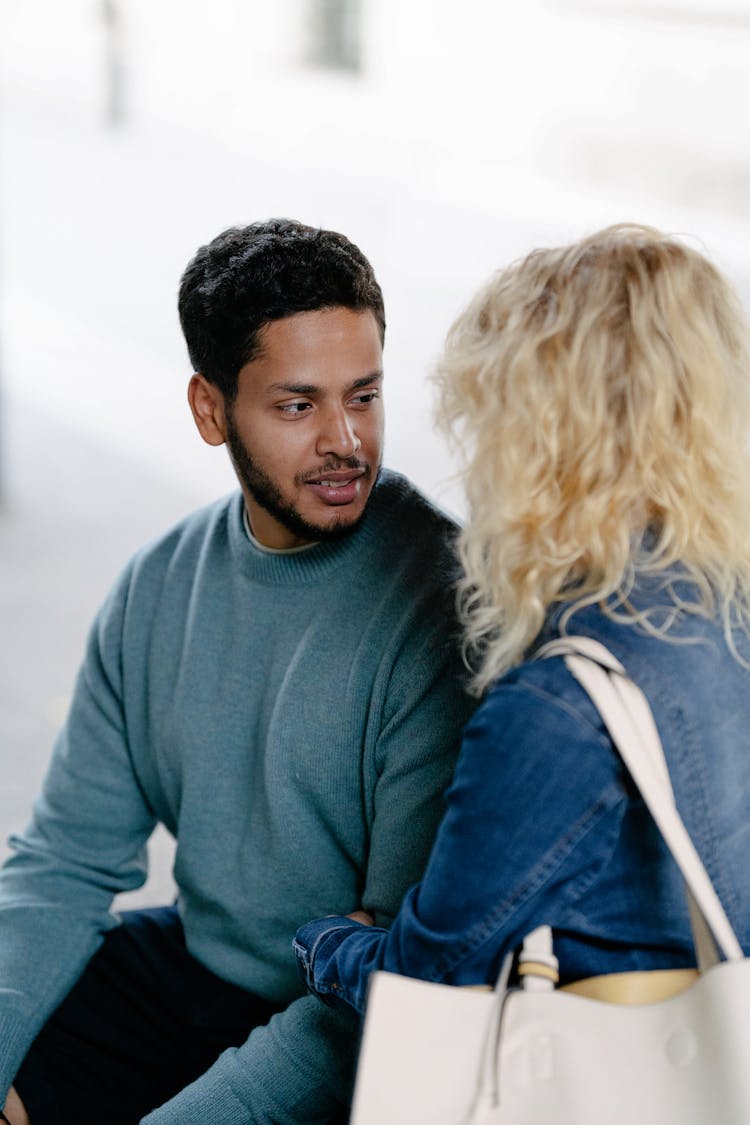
x=294, y=407
x=366, y=397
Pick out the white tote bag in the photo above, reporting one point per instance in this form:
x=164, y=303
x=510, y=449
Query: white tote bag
x=435, y=1054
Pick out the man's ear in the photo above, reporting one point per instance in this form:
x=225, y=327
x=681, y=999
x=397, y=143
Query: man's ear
x=207, y=404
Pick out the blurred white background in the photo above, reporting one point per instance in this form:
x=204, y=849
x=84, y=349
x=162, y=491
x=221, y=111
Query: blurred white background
x=445, y=139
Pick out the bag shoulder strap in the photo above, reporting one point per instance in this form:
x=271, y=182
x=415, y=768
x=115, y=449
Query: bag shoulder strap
x=628, y=718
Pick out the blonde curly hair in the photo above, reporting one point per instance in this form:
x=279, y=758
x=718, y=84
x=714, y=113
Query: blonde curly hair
x=598, y=391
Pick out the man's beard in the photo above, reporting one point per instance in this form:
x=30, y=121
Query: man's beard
x=265, y=491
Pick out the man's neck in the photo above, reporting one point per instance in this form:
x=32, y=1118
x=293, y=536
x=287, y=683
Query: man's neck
x=271, y=550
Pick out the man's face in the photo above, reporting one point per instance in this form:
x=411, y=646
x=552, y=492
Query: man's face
x=305, y=431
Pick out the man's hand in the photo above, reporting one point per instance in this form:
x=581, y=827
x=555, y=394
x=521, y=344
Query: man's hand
x=363, y=917
x=15, y=1110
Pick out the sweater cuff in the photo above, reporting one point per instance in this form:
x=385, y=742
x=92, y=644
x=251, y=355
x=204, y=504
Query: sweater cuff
x=12, y=1050
x=237, y=1089
x=210, y=1098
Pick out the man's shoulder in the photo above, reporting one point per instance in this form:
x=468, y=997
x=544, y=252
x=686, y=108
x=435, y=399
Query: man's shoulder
x=410, y=537
x=189, y=537
x=403, y=510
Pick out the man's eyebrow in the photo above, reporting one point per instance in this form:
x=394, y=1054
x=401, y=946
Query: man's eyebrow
x=367, y=380
x=293, y=388
x=311, y=389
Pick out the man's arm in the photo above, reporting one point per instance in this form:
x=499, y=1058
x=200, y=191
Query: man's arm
x=86, y=843
x=298, y=1068
x=427, y=709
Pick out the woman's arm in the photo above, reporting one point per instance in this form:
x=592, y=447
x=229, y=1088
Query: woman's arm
x=535, y=806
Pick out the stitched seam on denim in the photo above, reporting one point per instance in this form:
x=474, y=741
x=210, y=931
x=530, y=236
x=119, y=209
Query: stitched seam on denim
x=334, y=988
x=695, y=796
x=570, y=709
x=302, y=960
x=320, y=940
x=573, y=891
x=503, y=911
x=307, y=957
x=696, y=791
x=696, y=799
x=324, y=987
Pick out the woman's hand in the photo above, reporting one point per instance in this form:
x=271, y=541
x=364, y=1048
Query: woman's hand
x=363, y=917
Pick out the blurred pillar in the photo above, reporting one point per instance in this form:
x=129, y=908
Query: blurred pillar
x=336, y=34
x=2, y=402
x=114, y=105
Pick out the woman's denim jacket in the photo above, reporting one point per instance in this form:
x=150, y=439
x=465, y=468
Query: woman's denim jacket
x=544, y=826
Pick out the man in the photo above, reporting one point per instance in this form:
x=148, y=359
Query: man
x=274, y=681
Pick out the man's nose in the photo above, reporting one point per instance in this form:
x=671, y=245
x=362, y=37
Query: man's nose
x=337, y=434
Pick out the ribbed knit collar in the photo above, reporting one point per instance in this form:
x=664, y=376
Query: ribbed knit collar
x=322, y=560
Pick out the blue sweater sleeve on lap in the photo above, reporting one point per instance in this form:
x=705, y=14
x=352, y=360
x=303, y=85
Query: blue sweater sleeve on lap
x=297, y=1068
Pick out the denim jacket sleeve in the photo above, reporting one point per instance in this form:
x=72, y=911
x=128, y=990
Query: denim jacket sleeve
x=533, y=816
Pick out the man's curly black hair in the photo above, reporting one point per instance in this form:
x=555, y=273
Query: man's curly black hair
x=249, y=276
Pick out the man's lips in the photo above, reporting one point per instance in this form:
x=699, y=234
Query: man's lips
x=339, y=487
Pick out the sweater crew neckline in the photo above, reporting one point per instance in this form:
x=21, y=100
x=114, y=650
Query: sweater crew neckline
x=320, y=559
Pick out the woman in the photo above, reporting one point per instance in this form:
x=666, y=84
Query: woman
x=600, y=394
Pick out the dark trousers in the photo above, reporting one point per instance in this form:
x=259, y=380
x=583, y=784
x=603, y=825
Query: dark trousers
x=143, y=1021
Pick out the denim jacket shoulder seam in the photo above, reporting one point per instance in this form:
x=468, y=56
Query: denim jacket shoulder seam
x=559, y=704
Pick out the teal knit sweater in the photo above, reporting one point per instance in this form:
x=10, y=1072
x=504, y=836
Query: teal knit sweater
x=292, y=720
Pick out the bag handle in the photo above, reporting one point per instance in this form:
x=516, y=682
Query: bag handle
x=628, y=718
x=706, y=951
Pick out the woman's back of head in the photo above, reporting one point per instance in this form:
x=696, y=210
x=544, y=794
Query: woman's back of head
x=601, y=395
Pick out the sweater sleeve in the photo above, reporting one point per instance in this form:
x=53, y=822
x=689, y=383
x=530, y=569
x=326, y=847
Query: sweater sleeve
x=299, y=1067
x=85, y=843
x=427, y=708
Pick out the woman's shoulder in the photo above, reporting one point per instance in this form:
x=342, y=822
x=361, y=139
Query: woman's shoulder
x=537, y=743
x=536, y=707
